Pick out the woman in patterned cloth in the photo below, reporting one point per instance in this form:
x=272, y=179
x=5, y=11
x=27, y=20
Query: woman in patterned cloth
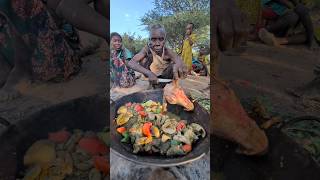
x=33, y=45
x=121, y=75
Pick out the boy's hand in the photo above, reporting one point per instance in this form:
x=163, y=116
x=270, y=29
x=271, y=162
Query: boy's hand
x=153, y=79
x=179, y=70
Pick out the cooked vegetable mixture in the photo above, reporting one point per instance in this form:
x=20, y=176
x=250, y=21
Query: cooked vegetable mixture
x=150, y=128
x=69, y=155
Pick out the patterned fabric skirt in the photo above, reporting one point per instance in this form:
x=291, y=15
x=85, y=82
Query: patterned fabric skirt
x=51, y=58
x=121, y=75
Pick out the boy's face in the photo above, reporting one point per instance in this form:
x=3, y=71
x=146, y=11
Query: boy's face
x=116, y=42
x=189, y=29
x=157, y=40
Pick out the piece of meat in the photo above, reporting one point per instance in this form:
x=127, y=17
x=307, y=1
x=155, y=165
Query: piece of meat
x=174, y=94
x=230, y=121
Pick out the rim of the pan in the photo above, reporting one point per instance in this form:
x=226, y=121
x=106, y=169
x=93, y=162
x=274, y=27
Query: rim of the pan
x=155, y=164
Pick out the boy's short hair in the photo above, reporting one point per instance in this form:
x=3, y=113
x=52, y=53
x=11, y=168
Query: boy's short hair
x=156, y=27
x=191, y=24
x=115, y=34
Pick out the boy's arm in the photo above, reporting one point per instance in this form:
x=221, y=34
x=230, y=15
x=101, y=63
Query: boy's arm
x=134, y=64
x=191, y=39
x=179, y=68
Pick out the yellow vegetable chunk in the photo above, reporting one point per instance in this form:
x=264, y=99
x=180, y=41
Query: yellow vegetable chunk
x=165, y=138
x=40, y=153
x=155, y=131
x=122, y=119
x=148, y=140
x=144, y=140
x=122, y=110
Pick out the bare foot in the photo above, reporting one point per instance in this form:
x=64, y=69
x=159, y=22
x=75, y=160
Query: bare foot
x=194, y=73
x=267, y=37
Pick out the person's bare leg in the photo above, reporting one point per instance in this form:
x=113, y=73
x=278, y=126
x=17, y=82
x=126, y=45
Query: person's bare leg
x=82, y=16
x=284, y=22
x=282, y=41
x=267, y=35
x=306, y=21
x=295, y=39
x=268, y=38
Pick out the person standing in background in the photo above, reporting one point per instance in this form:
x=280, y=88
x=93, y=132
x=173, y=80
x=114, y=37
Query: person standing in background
x=188, y=42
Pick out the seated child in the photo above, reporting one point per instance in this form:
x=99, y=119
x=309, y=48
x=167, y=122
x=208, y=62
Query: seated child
x=156, y=60
x=121, y=75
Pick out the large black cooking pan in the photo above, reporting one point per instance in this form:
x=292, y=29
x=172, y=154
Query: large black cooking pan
x=285, y=159
x=88, y=113
x=199, y=115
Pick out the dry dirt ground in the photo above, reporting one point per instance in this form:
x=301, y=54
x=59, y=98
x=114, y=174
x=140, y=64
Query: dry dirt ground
x=91, y=80
x=268, y=72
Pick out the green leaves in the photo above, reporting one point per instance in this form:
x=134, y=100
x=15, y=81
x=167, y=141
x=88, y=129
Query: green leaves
x=133, y=43
x=174, y=15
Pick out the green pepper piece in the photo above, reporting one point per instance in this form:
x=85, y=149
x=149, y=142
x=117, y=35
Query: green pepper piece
x=125, y=138
x=158, y=111
x=174, y=143
x=133, y=139
x=148, y=103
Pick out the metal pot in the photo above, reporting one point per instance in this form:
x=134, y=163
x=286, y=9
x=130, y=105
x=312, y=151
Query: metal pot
x=88, y=113
x=285, y=159
x=199, y=115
